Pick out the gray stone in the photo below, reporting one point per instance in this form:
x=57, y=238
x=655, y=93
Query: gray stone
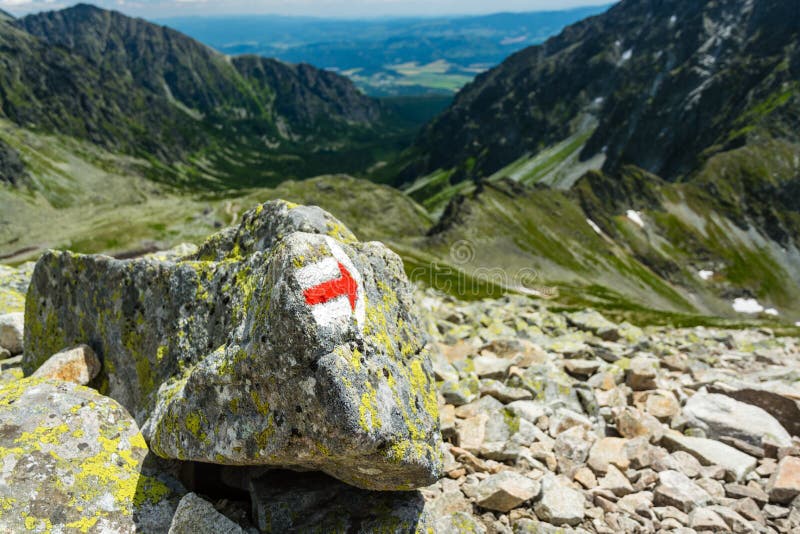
x=560, y=504
x=527, y=409
x=722, y=416
x=283, y=342
x=503, y=393
x=707, y=519
x=73, y=458
x=609, y=451
x=196, y=515
x=313, y=502
x=505, y=491
x=678, y=490
x=461, y=392
x=79, y=365
x=641, y=375
x=616, y=482
x=711, y=452
x=592, y=321
x=12, y=326
x=490, y=366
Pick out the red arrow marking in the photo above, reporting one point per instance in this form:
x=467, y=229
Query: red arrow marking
x=344, y=285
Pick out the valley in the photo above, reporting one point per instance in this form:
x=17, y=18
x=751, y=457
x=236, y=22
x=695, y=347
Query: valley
x=592, y=215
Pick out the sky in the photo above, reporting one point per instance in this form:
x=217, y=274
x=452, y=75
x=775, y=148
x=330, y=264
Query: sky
x=324, y=8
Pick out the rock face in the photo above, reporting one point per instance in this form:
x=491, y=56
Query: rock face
x=70, y=457
x=283, y=342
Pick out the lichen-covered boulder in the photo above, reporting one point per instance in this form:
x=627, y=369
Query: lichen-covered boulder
x=72, y=460
x=282, y=342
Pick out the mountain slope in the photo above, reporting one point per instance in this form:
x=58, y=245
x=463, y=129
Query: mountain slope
x=126, y=84
x=704, y=68
x=671, y=125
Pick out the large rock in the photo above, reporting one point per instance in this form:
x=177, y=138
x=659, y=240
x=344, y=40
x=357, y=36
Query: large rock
x=711, y=452
x=72, y=460
x=283, y=342
x=722, y=416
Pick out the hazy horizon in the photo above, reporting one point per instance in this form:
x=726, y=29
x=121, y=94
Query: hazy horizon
x=306, y=8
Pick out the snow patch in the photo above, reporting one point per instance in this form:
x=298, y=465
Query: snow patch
x=635, y=217
x=672, y=20
x=627, y=55
x=772, y=311
x=747, y=306
x=594, y=226
x=705, y=275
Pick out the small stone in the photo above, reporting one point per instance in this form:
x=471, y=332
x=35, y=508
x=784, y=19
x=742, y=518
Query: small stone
x=472, y=432
x=566, y=419
x=4, y=354
x=608, y=451
x=529, y=410
x=749, y=509
x=722, y=416
x=502, y=392
x=571, y=449
x=632, y=423
x=784, y=484
x=195, y=515
x=712, y=487
x=490, y=366
x=458, y=523
x=585, y=477
x=485, y=405
x=12, y=326
x=662, y=405
x=676, y=489
x=733, y=519
x=706, y=519
x=460, y=392
x=447, y=421
x=687, y=464
x=560, y=504
x=773, y=511
x=616, y=482
x=641, y=375
x=79, y=365
x=592, y=321
x=505, y=491
x=582, y=368
x=740, y=491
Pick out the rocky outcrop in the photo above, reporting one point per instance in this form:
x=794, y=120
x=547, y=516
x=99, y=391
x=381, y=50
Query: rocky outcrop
x=284, y=342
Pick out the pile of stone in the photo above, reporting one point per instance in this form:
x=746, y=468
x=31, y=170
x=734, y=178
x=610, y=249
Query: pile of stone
x=562, y=422
x=284, y=376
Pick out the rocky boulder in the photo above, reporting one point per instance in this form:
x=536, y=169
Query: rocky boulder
x=282, y=342
x=72, y=458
